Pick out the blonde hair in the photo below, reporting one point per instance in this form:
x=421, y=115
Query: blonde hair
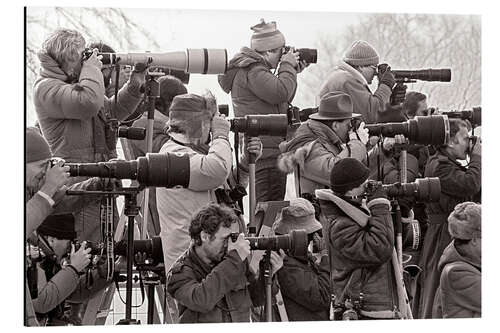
x=63, y=45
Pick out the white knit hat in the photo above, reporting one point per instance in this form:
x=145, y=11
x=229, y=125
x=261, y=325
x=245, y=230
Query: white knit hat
x=361, y=54
x=266, y=37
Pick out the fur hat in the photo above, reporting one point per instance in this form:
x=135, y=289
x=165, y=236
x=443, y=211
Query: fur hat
x=347, y=174
x=465, y=221
x=299, y=215
x=37, y=148
x=266, y=37
x=59, y=226
x=191, y=114
x=361, y=54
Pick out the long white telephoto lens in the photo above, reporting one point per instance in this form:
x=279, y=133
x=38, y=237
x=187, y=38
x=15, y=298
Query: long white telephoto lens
x=196, y=61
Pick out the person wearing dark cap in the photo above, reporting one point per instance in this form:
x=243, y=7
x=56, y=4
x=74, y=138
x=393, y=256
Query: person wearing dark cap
x=197, y=129
x=320, y=142
x=353, y=75
x=256, y=90
x=54, y=268
x=459, y=292
x=361, y=242
x=304, y=282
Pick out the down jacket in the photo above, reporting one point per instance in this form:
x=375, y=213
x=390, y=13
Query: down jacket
x=346, y=79
x=362, y=254
x=459, y=293
x=255, y=90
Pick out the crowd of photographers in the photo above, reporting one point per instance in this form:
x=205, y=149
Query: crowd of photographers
x=347, y=247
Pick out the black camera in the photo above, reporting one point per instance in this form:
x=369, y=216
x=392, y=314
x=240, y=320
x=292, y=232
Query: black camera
x=132, y=133
x=308, y=55
x=296, y=116
x=410, y=76
x=349, y=309
x=473, y=116
x=154, y=169
x=95, y=248
x=423, y=189
x=87, y=53
x=256, y=125
x=425, y=130
x=295, y=242
x=223, y=109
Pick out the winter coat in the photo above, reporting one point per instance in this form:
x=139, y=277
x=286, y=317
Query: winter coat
x=177, y=205
x=362, y=254
x=458, y=184
x=255, y=90
x=459, y=292
x=313, y=151
x=213, y=294
x=305, y=287
x=346, y=79
x=75, y=118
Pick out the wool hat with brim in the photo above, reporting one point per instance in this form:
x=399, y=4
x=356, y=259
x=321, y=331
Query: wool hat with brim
x=465, y=221
x=266, y=37
x=37, y=148
x=299, y=215
x=192, y=113
x=335, y=105
x=361, y=53
x=346, y=174
x=60, y=226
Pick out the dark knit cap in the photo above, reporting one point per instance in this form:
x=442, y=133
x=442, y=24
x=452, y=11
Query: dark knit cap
x=347, y=174
x=170, y=86
x=59, y=226
x=361, y=54
x=37, y=148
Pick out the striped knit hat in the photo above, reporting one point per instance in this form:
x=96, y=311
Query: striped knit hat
x=361, y=54
x=266, y=37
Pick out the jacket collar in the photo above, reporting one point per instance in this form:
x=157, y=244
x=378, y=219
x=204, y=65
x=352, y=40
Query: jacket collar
x=309, y=131
x=460, y=252
x=206, y=269
x=445, y=153
x=356, y=213
x=357, y=75
x=49, y=68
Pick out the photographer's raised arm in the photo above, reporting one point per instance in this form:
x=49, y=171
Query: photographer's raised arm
x=61, y=100
x=270, y=88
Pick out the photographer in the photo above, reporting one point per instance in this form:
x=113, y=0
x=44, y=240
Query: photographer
x=353, y=75
x=256, y=90
x=459, y=292
x=303, y=281
x=194, y=123
x=323, y=140
x=361, y=243
x=212, y=281
x=51, y=280
x=75, y=116
x=458, y=184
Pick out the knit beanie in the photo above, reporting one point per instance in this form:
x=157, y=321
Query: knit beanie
x=465, y=221
x=59, y=226
x=299, y=215
x=190, y=113
x=347, y=174
x=37, y=148
x=266, y=37
x=361, y=54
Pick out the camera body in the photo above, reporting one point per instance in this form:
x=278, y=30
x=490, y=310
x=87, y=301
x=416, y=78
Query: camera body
x=308, y=55
x=349, y=309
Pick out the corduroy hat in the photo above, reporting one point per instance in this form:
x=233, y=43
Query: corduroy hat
x=361, y=54
x=266, y=37
x=465, y=221
x=347, y=174
x=37, y=148
x=335, y=105
x=192, y=113
x=299, y=215
x=59, y=226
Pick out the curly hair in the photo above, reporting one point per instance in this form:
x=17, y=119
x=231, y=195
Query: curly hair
x=208, y=219
x=62, y=45
x=410, y=104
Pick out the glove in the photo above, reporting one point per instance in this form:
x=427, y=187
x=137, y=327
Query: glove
x=398, y=94
x=291, y=57
x=219, y=126
x=360, y=134
x=377, y=193
x=138, y=76
x=386, y=76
